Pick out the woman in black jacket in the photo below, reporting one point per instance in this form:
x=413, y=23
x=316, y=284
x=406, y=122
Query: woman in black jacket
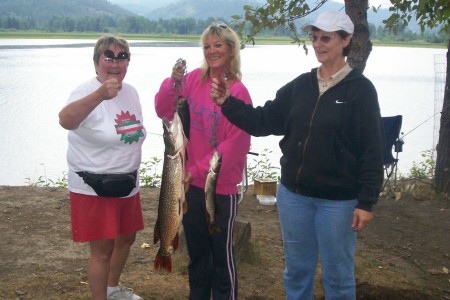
x=332, y=162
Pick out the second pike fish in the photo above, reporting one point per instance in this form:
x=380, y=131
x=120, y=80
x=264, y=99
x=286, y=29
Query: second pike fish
x=172, y=204
x=210, y=192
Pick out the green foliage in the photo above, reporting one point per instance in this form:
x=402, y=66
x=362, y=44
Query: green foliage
x=89, y=16
x=429, y=14
x=43, y=181
x=284, y=14
x=149, y=173
x=424, y=169
x=261, y=167
x=272, y=15
x=107, y=24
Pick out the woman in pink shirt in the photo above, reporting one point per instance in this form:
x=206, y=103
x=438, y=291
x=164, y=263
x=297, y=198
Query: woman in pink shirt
x=212, y=266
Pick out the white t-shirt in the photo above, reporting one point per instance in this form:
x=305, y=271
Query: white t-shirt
x=109, y=140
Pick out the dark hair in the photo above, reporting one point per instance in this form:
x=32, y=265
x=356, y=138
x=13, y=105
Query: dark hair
x=343, y=34
x=103, y=44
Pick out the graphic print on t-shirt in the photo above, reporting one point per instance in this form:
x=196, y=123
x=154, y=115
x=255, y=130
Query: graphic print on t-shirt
x=128, y=127
x=204, y=120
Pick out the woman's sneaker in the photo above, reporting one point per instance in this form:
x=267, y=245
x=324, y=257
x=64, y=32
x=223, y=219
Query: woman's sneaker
x=123, y=293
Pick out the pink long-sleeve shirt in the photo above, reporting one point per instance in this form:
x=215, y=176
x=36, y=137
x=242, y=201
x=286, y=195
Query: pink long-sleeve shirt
x=232, y=142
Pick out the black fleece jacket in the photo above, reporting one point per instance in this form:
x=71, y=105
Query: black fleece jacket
x=332, y=144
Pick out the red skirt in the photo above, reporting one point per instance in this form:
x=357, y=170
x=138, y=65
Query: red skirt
x=98, y=218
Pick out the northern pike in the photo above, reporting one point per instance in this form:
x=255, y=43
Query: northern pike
x=210, y=192
x=183, y=112
x=172, y=204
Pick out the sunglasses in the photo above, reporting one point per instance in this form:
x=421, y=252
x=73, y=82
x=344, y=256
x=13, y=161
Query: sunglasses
x=323, y=38
x=221, y=25
x=120, y=58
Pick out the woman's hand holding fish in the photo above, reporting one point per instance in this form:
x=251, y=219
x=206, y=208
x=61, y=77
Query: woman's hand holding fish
x=178, y=71
x=187, y=181
x=220, y=91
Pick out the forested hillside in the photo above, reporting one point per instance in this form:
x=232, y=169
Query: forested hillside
x=60, y=15
x=42, y=10
x=188, y=17
x=126, y=15
x=200, y=9
x=184, y=17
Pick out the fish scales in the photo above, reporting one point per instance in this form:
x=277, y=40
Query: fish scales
x=172, y=204
x=210, y=192
x=184, y=113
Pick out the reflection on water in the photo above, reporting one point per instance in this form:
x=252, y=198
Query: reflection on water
x=38, y=75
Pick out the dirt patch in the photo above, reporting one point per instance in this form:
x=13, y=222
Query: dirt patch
x=403, y=254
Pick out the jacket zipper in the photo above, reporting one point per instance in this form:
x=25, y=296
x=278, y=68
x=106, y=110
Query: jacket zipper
x=306, y=141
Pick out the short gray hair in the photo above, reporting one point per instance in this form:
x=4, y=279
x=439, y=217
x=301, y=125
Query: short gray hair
x=103, y=44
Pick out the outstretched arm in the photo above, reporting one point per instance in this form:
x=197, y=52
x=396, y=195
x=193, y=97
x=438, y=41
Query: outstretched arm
x=74, y=113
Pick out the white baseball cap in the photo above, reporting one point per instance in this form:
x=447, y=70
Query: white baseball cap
x=332, y=21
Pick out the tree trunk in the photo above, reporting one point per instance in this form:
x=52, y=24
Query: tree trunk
x=442, y=171
x=361, y=45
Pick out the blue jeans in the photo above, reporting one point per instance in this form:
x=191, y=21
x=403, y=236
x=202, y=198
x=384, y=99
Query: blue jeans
x=311, y=227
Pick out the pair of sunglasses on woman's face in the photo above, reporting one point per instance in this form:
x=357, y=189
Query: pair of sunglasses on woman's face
x=324, y=38
x=111, y=58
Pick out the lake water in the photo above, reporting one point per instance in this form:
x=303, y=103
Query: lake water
x=36, y=77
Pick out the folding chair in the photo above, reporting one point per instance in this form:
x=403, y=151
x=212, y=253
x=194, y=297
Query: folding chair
x=393, y=143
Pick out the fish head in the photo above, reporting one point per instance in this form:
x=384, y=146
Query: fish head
x=174, y=139
x=215, y=162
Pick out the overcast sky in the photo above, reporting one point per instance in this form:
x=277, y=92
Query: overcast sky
x=383, y=3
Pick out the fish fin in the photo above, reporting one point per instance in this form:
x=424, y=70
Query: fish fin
x=156, y=233
x=163, y=261
x=185, y=206
x=214, y=228
x=176, y=242
x=182, y=204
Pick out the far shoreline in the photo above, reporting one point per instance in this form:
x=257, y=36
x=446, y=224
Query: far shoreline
x=274, y=40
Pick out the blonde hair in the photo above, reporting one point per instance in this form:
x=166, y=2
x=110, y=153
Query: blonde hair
x=229, y=36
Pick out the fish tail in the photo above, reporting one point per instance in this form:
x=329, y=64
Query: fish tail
x=156, y=234
x=163, y=261
x=176, y=242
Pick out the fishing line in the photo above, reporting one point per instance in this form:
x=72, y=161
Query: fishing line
x=419, y=125
x=154, y=133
